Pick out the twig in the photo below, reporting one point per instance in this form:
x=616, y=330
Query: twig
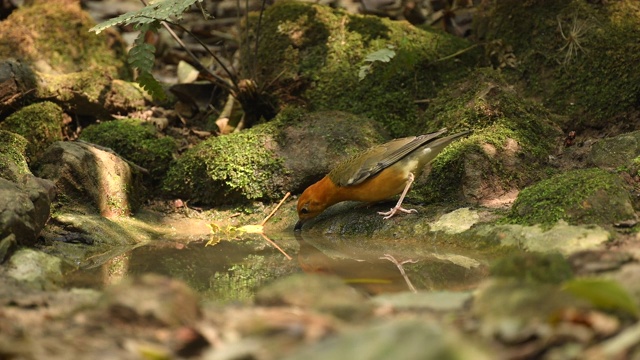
x=276, y=246
x=276, y=208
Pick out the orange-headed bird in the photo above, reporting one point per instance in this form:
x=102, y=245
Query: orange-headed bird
x=377, y=174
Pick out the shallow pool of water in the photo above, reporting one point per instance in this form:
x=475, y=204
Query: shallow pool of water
x=232, y=270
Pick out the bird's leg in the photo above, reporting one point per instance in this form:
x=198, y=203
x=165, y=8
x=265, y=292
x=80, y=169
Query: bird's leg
x=398, y=207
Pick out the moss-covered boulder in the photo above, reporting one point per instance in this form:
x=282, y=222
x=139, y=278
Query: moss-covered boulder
x=26, y=200
x=137, y=141
x=54, y=36
x=579, y=57
x=585, y=196
x=264, y=162
x=48, y=53
x=41, y=124
x=510, y=145
x=13, y=159
x=314, y=54
x=616, y=152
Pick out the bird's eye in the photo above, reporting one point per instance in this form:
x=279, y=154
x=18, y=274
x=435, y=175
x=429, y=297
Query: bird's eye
x=304, y=210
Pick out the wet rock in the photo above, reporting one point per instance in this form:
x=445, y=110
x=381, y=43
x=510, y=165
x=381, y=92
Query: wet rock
x=396, y=339
x=456, y=221
x=91, y=179
x=153, y=300
x=319, y=292
x=35, y=269
x=562, y=237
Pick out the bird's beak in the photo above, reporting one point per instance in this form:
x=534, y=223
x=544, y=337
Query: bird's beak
x=298, y=226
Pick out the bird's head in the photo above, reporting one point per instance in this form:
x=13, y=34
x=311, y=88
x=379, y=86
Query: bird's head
x=310, y=205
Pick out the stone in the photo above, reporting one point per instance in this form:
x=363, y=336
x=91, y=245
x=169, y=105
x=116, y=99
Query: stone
x=35, y=269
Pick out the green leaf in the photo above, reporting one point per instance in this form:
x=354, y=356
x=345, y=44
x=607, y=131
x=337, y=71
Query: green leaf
x=364, y=70
x=383, y=55
x=158, y=11
x=142, y=57
x=151, y=85
x=603, y=294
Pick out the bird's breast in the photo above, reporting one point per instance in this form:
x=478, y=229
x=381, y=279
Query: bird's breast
x=386, y=184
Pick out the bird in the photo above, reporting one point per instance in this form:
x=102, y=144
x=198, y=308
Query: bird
x=376, y=174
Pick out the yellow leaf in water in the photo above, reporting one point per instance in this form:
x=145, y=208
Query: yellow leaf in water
x=251, y=229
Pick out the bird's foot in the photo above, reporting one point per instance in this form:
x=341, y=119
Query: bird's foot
x=389, y=214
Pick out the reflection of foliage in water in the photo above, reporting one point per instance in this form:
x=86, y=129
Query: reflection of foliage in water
x=240, y=282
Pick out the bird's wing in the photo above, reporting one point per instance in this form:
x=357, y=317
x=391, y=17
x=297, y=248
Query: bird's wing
x=376, y=159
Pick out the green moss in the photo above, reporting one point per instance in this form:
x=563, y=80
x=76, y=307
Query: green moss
x=137, y=141
x=58, y=33
x=228, y=169
x=41, y=124
x=510, y=148
x=13, y=162
x=599, y=79
x=314, y=53
x=586, y=196
x=534, y=267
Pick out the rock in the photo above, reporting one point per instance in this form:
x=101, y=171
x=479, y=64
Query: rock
x=25, y=208
x=91, y=179
x=442, y=301
x=456, y=221
x=577, y=77
x=534, y=267
x=152, y=300
x=319, y=292
x=41, y=124
x=585, y=196
x=562, y=237
x=395, y=339
x=264, y=162
x=611, y=153
x=13, y=160
x=35, y=269
x=137, y=141
x=26, y=200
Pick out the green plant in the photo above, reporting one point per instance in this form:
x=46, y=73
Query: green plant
x=142, y=55
x=382, y=55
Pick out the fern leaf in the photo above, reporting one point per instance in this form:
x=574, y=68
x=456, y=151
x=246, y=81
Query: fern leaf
x=151, y=85
x=142, y=56
x=158, y=11
x=383, y=55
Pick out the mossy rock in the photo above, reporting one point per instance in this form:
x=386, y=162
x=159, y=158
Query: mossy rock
x=313, y=54
x=137, y=141
x=55, y=35
x=585, y=196
x=41, y=124
x=264, y=162
x=13, y=161
x=616, y=152
x=512, y=139
x=579, y=57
